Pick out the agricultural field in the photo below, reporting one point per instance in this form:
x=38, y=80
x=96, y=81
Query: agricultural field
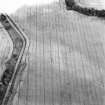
x=66, y=57
x=98, y=4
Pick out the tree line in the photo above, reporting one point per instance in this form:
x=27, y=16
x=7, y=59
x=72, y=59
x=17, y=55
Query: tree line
x=71, y=5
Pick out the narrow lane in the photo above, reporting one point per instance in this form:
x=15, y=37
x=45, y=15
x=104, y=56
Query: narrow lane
x=14, y=65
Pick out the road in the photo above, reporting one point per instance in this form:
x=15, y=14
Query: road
x=13, y=65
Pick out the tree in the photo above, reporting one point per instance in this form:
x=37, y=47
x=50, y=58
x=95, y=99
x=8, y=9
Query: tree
x=70, y=3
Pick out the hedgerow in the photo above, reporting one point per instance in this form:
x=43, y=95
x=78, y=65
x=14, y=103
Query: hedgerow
x=71, y=5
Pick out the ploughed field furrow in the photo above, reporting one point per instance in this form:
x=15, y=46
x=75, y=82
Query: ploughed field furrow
x=12, y=64
x=67, y=60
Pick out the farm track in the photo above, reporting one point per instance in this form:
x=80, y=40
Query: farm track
x=14, y=63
